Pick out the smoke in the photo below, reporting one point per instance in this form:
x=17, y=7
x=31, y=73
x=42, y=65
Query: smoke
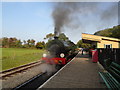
x=66, y=14
x=69, y=14
x=109, y=15
x=62, y=15
x=48, y=68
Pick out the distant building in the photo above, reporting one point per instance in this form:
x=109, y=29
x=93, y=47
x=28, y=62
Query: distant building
x=101, y=41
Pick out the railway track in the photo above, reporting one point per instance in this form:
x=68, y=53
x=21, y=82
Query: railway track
x=34, y=82
x=19, y=69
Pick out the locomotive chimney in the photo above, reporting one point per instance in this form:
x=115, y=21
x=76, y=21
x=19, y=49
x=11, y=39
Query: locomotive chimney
x=55, y=37
x=56, y=34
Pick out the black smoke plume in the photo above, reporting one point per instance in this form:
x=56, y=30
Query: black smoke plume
x=62, y=15
x=66, y=14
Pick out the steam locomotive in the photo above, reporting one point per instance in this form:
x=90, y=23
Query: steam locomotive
x=59, y=52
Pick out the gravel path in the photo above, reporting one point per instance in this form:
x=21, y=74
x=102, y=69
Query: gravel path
x=19, y=78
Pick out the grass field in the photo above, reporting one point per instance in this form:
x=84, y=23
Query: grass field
x=13, y=57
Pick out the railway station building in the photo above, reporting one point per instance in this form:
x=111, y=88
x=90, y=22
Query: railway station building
x=101, y=41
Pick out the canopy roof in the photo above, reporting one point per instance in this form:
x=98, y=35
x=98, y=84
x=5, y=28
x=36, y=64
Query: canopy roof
x=89, y=38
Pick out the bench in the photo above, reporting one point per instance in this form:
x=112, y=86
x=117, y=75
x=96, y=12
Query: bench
x=112, y=76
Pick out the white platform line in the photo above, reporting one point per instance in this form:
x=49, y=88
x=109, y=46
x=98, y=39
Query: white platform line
x=56, y=73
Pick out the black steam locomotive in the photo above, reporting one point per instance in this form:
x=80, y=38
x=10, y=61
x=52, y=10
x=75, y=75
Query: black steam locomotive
x=59, y=52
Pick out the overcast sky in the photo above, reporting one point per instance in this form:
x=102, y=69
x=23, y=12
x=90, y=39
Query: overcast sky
x=33, y=20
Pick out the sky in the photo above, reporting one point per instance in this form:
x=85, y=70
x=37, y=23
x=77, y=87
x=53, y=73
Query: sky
x=33, y=20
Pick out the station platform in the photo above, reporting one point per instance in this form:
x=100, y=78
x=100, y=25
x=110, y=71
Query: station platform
x=81, y=72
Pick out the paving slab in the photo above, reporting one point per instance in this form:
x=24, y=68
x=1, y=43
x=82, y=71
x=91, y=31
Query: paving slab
x=81, y=72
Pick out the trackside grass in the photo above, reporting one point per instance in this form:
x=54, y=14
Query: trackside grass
x=13, y=57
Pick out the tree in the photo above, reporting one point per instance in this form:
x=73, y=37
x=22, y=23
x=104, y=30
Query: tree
x=116, y=32
x=83, y=45
x=32, y=43
x=12, y=42
x=25, y=45
x=5, y=42
x=40, y=45
x=63, y=37
x=18, y=44
x=106, y=32
x=72, y=46
x=24, y=41
x=0, y=42
x=79, y=43
x=110, y=32
x=49, y=36
x=28, y=42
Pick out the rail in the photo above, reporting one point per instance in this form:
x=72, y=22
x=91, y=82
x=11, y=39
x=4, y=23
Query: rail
x=19, y=69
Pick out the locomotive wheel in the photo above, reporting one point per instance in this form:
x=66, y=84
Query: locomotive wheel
x=58, y=66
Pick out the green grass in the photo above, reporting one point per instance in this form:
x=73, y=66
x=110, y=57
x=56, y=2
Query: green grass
x=13, y=57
